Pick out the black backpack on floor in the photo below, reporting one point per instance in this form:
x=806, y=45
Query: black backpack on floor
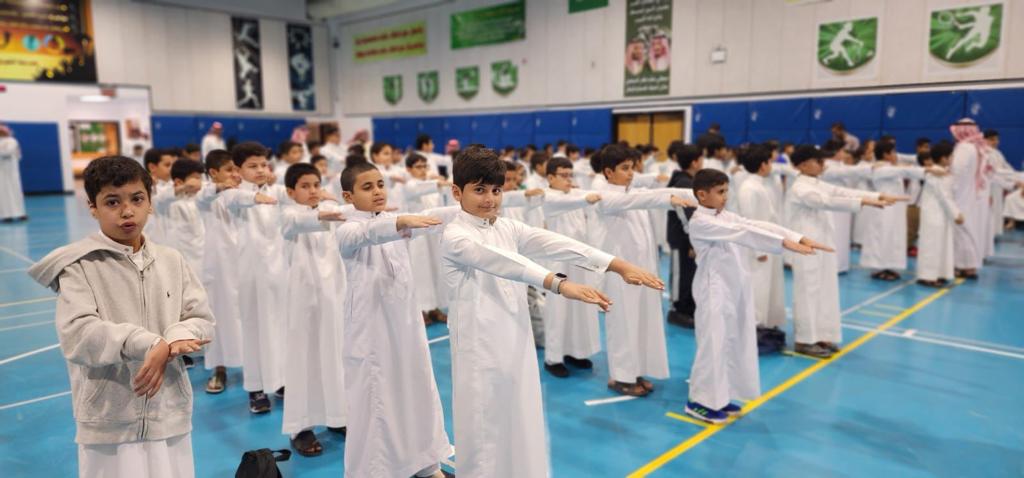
x=770, y=340
x=262, y=463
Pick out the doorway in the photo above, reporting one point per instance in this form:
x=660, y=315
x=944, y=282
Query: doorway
x=659, y=129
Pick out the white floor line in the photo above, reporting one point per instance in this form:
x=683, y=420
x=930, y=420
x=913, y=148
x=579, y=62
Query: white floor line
x=448, y=463
x=878, y=297
x=605, y=401
x=948, y=338
x=17, y=254
x=9, y=271
x=437, y=339
x=25, y=326
x=34, y=400
x=909, y=332
x=929, y=340
x=27, y=314
x=29, y=301
x=28, y=354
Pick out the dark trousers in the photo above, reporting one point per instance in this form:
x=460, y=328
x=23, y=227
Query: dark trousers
x=681, y=278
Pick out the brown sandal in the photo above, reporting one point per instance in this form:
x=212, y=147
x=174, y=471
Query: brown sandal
x=628, y=389
x=643, y=382
x=306, y=444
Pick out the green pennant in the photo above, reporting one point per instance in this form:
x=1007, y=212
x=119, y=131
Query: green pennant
x=504, y=77
x=393, y=88
x=467, y=81
x=427, y=85
x=847, y=45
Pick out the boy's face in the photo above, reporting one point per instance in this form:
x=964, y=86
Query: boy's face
x=993, y=141
x=428, y=146
x=162, y=171
x=418, y=170
x=255, y=169
x=928, y=162
x=382, y=158
x=889, y=157
x=573, y=156
x=122, y=211
x=924, y=148
x=622, y=175
x=561, y=180
x=226, y=174
x=293, y=156
x=321, y=166
x=511, y=180
x=307, y=190
x=368, y=192
x=195, y=180
x=944, y=161
x=765, y=169
x=715, y=198
x=811, y=167
x=195, y=155
x=541, y=168
x=480, y=200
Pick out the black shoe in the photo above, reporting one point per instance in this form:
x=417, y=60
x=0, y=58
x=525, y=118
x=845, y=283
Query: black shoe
x=7, y=220
x=680, y=319
x=343, y=431
x=578, y=363
x=279, y=393
x=557, y=369
x=189, y=363
x=22, y=218
x=259, y=403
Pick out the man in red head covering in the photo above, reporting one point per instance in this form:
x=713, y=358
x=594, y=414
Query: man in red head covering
x=971, y=176
x=213, y=139
x=12, y=201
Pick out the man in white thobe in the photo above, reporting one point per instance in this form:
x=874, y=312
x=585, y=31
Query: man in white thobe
x=12, y=200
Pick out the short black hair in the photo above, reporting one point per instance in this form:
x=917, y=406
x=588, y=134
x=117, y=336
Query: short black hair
x=922, y=140
x=286, y=147
x=712, y=146
x=355, y=159
x=595, y=161
x=686, y=154
x=803, y=153
x=839, y=125
x=316, y=158
x=153, y=155
x=561, y=143
x=831, y=147
x=414, y=158
x=313, y=144
x=887, y=138
x=245, y=150
x=555, y=163
x=478, y=165
x=378, y=147
x=884, y=148
x=191, y=148
x=184, y=167
x=352, y=171
x=356, y=149
x=714, y=126
x=538, y=160
x=217, y=158
x=615, y=154
x=572, y=148
x=753, y=157
x=922, y=157
x=331, y=130
x=114, y=171
x=708, y=178
x=941, y=150
x=422, y=139
x=296, y=171
x=991, y=133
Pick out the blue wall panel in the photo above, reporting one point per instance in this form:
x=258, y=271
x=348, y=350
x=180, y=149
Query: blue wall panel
x=551, y=126
x=40, y=157
x=996, y=108
x=591, y=128
x=731, y=116
x=779, y=115
x=516, y=129
x=486, y=130
x=862, y=116
x=433, y=126
x=922, y=110
x=458, y=127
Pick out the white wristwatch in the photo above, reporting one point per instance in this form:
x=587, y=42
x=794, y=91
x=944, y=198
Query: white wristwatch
x=556, y=283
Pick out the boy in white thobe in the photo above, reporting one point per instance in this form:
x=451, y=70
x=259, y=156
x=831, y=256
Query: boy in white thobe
x=494, y=365
x=635, y=329
x=313, y=372
x=158, y=162
x=815, y=279
x=420, y=194
x=755, y=203
x=571, y=330
x=840, y=171
x=725, y=367
x=288, y=154
x=395, y=422
x=184, y=228
x=12, y=200
x=938, y=214
x=261, y=268
x=219, y=272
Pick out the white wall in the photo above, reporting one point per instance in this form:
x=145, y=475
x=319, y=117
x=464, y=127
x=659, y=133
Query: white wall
x=294, y=10
x=60, y=103
x=577, y=59
x=185, y=56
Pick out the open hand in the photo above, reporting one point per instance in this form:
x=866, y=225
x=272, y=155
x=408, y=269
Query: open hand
x=534, y=192
x=634, y=275
x=585, y=293
x=182, y=347
x=890, y=199
x=815, y=244
x=873, y=202
x=226, y=185
x=680, y=202
x=959, y=219
x=797, y=247
x=331, y=216
x=264, y=199
x=149, y=378
x=409, y=221
x=593, y=198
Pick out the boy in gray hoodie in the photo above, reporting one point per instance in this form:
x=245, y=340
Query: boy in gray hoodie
x=126, y=310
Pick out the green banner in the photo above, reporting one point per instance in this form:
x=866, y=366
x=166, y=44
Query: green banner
x=648, y=47
x=584, y=5
x=393, y=88
x=392, y=42
x=964, y=35
x=427, y=85
x=504, y=77
x=847, y=45
x=487, y=26
x=467, y=81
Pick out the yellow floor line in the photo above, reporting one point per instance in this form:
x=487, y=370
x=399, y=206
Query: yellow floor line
x=800, y=355
x=707, y=432
x=693, y=421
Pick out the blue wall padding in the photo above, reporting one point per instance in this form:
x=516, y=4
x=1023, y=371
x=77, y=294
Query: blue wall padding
x=40, y=157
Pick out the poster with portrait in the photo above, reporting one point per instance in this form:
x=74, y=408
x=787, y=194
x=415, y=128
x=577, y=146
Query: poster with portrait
x=47, y=40
x=965, y=38
x=300, y=67
x=245, y=36
x=648, y=47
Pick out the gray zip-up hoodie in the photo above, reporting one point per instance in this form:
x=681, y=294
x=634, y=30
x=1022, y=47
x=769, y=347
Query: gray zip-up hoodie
x=110, y=312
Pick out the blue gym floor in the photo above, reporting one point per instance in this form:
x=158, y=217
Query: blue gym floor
x=930, y=384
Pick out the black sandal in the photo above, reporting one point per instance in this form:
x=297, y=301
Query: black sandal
x=628, y=389
x=643, y=382
x=306, y=444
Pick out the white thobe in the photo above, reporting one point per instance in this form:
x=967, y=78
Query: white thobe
x=185, y=231
x=220, y=275
x=725, y=367
x=769, y=291
x=262, y=293
x=815, y=278
x=170, y=458
x=12, y=199
x=395, y=422
x=335, y=154
x=1002, y=183
x=499, y=416
x=313, y=371
x=535, y=216
x=1013, y=208
x=211, y=142
x=425, y=250
x=659, y=219
x=163, y=197
x=583, y=175
x=969, y=238
x=515, y=204
x=885, y=247
x=844, y=175
x=570, y=327
x=935, y=241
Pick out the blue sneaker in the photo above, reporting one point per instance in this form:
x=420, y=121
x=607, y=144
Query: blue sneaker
x=705, y=414
x=732, y=409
